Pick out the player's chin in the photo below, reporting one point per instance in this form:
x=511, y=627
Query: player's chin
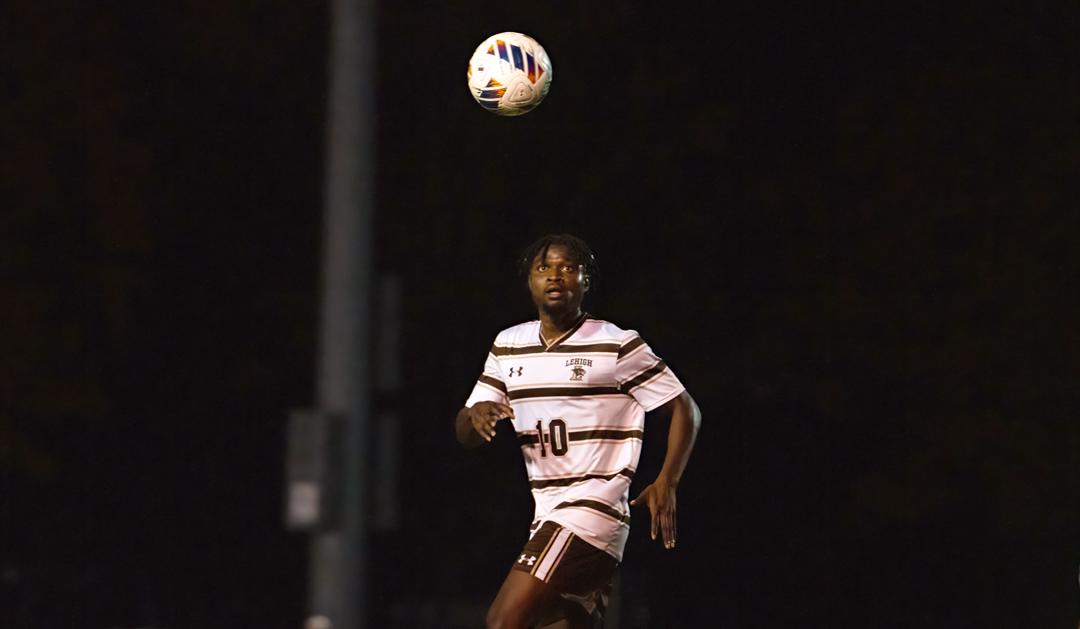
x=561, y=303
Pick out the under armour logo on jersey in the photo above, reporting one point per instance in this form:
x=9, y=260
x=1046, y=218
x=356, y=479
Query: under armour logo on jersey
x=528, y=560
x=578, y=374
x=519, y=370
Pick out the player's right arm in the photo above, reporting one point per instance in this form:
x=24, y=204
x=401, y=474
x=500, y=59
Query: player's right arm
x=475, y=425
x=488, y=403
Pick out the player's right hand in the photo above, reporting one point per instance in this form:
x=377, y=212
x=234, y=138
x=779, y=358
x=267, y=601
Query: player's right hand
x=484, y=415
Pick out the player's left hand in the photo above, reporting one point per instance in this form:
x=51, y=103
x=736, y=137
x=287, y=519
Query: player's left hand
x=660, y=498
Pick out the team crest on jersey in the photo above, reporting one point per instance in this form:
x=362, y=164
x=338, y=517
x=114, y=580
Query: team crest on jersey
x=577, y=368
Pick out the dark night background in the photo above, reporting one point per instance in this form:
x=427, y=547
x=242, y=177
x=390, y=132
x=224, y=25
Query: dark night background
x=847, y=229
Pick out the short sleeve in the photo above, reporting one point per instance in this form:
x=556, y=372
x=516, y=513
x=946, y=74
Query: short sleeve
x=489, y=386
x=643, y=375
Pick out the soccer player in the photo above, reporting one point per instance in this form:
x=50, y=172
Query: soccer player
x=576, y=390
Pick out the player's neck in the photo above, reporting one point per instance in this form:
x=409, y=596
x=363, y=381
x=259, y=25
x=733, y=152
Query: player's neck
x=555, y=324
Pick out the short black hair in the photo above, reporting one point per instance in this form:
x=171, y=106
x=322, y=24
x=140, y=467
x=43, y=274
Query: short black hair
x=578, y=249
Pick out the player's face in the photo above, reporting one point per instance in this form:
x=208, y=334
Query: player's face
x=557, y=283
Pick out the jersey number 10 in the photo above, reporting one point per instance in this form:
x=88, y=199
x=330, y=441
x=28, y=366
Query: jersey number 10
x=556, y=437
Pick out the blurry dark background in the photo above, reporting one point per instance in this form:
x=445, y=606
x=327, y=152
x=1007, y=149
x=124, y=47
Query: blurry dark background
x=847, y=229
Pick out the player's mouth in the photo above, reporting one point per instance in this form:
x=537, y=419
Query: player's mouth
x=554, y=292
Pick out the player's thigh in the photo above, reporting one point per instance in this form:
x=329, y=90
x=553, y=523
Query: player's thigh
x=521, y=600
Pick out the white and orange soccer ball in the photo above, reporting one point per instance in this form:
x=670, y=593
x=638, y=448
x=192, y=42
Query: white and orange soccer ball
x=509, y=74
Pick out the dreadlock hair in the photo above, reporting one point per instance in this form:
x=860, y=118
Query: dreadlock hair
x=577, y=248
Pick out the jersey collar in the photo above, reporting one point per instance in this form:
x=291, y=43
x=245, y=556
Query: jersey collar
x=563, y=336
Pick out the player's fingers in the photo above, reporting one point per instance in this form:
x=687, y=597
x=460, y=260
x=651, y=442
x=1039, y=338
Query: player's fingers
x=505, y=410
x=655, y=523
x=485, y=426
x=635, y=501
x=491, y=417
x=667, y=530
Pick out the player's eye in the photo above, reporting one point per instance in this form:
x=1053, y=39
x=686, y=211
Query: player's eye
x=542, y=268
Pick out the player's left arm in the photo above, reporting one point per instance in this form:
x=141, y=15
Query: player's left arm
x=660, y=495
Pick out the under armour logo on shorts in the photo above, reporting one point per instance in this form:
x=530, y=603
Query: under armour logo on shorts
x=528, y=560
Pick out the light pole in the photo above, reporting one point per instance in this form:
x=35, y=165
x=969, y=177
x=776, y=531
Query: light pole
x=338, y=583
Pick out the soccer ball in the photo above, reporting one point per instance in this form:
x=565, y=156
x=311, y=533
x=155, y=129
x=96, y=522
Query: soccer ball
x=509, y=74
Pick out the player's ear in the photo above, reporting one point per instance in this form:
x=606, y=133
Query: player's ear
x=585, y=283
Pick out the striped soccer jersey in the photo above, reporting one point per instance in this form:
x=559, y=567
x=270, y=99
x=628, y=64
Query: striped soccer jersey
x=579, y=406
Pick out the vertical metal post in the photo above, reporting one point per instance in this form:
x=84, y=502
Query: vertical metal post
x=338, y=583
x=387, y=429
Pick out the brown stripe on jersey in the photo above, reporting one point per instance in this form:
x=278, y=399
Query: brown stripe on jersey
x=531, y=438
x=570, y=480
x=635, y=343
x=593, y=348
x=519, y=394
x=507, y=350
x=585, y=435
x=492, y=382
x=644, y=376
x=597, y=506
